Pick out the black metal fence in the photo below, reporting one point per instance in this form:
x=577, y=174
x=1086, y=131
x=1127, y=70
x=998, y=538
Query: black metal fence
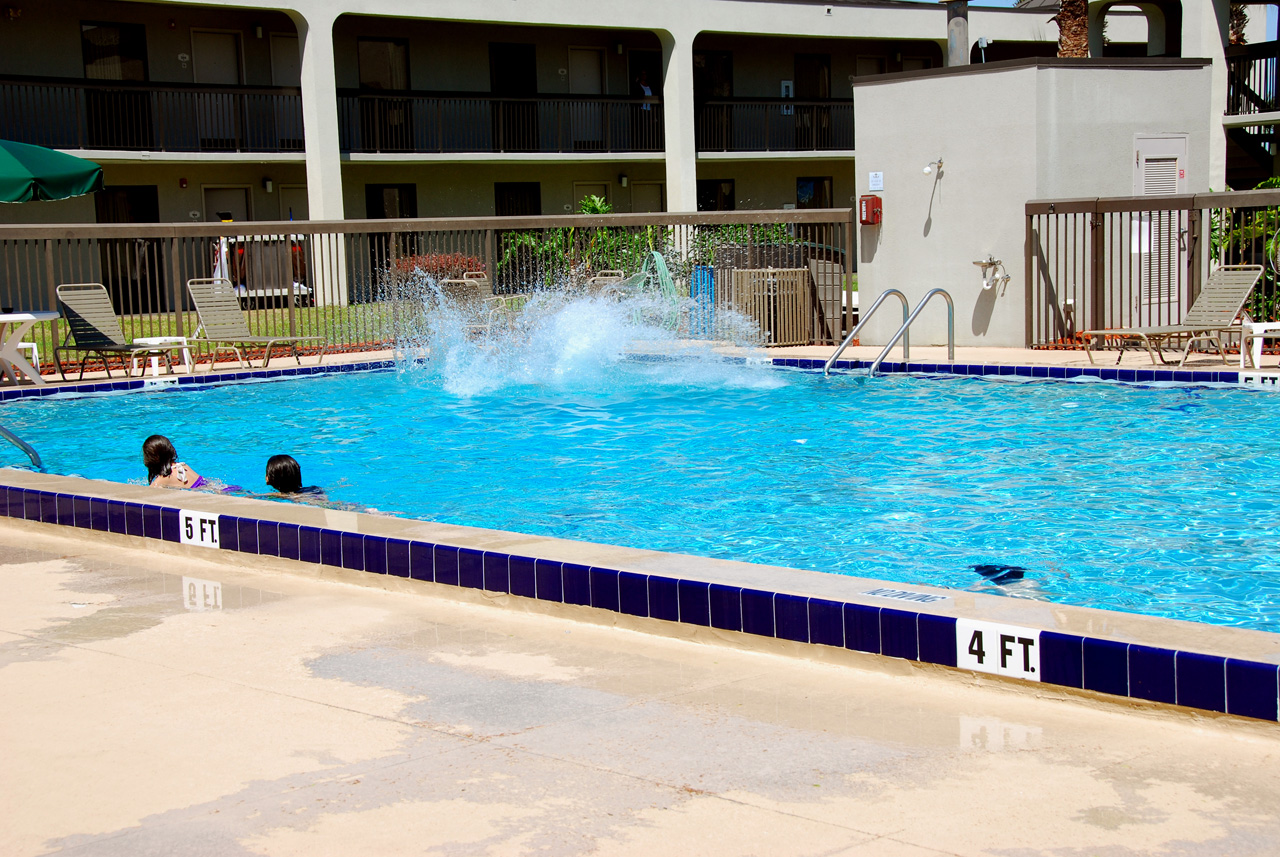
x=87, y=114
x=353, y=282
x=1139, y=261
x=430, y=122
x=774, y=125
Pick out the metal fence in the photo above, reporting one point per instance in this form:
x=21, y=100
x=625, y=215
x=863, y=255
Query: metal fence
x=1139, y=261
x=86, y=114
x=432, y=122
x=357, y=282
x=774, y=125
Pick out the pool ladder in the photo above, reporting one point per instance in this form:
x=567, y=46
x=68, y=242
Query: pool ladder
x=24, y=446
x=903, y=333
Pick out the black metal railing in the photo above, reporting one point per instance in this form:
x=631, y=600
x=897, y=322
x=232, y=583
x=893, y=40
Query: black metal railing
x=437, y=122
x=1139, y=261
x=358, y=283
x=89, y=114
x=774, y=125
x=1251, y=78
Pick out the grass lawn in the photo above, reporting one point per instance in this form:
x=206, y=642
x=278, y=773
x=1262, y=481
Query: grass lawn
x=343, y=328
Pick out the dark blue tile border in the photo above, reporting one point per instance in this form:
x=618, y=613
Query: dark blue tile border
x=1212, y=683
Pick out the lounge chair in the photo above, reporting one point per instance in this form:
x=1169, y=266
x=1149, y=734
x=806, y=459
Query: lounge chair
x=93, y=324
x=472, y=294
x=222, y=323
x=1213, y=313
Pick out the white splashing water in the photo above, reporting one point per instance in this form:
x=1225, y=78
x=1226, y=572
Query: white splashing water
x=572, y=339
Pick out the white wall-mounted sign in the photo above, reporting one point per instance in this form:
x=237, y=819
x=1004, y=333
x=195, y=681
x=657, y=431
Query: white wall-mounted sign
x=198, y=528
x=875, y=181
x=1008, y=650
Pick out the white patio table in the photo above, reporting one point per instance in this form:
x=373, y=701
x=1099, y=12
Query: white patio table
x=13, y=327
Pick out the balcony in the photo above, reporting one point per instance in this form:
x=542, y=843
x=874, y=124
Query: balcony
x=1251, y=78
x=1251, y=92
x=66, y=113
x=774, y=125
x=425, y=122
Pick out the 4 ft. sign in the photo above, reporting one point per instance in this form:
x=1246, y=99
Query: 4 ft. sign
x=1000, y=649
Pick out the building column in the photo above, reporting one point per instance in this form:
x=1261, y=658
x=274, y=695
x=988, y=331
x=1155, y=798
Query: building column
x=678, y=118
x=1204, y=34
x=320, y=117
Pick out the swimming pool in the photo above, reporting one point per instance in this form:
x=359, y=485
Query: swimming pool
x=1138, y=499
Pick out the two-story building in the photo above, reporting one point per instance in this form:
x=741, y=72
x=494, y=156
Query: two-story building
x=387, y=108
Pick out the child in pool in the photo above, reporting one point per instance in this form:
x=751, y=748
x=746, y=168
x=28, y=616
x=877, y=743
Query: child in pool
x=285, y=475
x=164, y=470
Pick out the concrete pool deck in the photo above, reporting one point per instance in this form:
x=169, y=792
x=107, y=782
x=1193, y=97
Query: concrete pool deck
x=311, y=716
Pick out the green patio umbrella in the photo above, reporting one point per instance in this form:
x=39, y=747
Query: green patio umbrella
x=34, y=172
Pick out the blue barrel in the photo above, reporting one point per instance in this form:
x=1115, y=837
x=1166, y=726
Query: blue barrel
x=702, y=316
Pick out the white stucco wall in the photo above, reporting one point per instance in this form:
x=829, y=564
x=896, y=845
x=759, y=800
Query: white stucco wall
x=1005, y=137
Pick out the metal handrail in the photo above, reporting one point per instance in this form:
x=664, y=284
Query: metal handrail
x=24, y=446
x=906, y=341
x=902, y=331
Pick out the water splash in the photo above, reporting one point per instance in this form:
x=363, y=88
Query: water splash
x=567, y=338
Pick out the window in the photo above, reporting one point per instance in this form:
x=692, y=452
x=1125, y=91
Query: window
x=813, y=192
x=114, y=51
x=517, y=199
x=384, y=64
x=715, y=195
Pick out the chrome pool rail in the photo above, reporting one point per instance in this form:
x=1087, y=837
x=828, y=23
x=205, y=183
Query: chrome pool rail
x=906, y=338
x=24, y=446
x=902, y=331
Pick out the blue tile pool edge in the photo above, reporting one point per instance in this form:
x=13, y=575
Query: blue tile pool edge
x=1121, y=374
x=1125, y=670
x=1124, y=375
x=190, y=381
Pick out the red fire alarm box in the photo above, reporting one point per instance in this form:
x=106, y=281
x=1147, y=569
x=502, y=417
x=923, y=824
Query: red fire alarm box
x=869, y=209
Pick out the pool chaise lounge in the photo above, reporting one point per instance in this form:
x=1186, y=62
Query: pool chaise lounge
x=94, y=328
x=222, y=323
x=1213, y=313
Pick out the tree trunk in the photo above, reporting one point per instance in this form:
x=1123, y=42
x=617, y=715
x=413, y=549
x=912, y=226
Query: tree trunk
x=1073, y=28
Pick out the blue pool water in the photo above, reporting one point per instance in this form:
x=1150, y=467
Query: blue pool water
x=1149, y=500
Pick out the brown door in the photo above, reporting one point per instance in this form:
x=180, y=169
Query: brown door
x=712, y=82
x=813, y=83
x=132, y=268
x=385, y=121
x=120, y=117
x=513, y=80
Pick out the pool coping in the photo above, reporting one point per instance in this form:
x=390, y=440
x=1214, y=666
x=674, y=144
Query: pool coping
x=1122, y=655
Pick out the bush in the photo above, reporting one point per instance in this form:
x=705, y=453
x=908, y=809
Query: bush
x=439, y=266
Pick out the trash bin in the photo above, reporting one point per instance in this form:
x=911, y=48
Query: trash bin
x=702, y=316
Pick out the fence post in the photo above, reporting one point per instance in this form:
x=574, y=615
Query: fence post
x=850, y=260
x=50, y=281
x=490, y=268
x=1195, y=252
x=175, y=290
x=1097, y=271
x=1029, y=316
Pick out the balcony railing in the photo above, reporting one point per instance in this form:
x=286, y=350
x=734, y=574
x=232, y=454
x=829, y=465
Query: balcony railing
x=88, y=114
x=1251, y=78
x=774, y=125
x=435, y=122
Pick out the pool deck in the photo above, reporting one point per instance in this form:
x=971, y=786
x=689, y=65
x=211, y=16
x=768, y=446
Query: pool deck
x=309, y=715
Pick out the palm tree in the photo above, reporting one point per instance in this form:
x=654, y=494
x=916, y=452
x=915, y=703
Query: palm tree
x=1073, y=28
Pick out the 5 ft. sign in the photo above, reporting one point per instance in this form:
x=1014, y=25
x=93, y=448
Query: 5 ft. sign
x=1000, y=649
x=198, y=528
